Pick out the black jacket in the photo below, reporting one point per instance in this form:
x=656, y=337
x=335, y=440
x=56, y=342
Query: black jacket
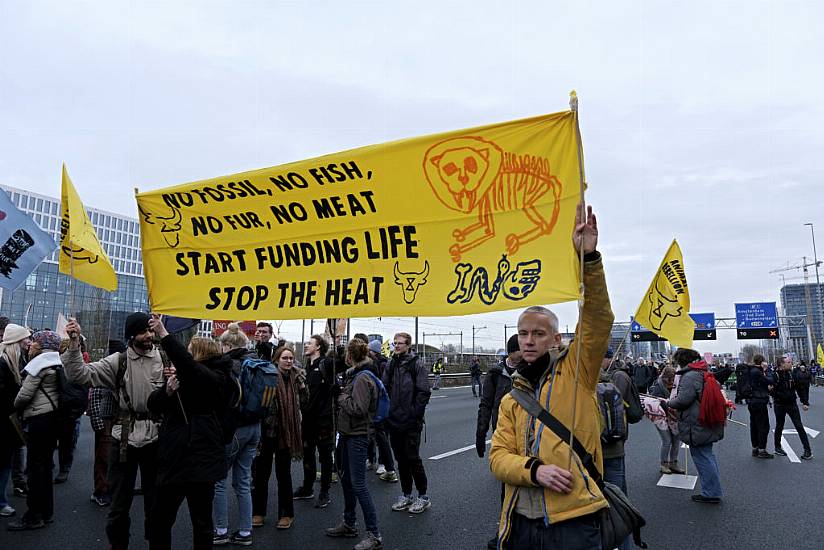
x=190, y=442
x=320, y=377
x=407, y=383
x=759, y=381
x=785, y=389
x=496, y=385
x=8, y=391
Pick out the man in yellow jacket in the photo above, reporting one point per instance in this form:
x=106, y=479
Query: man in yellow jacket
x=547, y=503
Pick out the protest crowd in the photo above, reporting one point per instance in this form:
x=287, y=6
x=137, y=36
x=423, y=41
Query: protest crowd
x=195, y=416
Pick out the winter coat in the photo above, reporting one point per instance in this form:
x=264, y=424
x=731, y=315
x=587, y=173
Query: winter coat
x=39, y=393
x=785, y=388
x=320, y=377
x=144, y=374
x=759, y=381
x=407, y=383
x=8, y=391
x=688, y=404
x=358, y=401
x=190, y=443
x=497, y=384
x=513, y=461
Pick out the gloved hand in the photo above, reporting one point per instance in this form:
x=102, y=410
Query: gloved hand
x=480, y=444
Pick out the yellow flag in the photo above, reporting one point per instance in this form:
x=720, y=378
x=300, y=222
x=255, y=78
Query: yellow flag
x=665, y=307
x=820, y=355
x=385, y=350
x=463, y=222
x=79, y=240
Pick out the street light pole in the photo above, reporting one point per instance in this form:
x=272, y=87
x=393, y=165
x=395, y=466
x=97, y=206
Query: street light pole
x=819, y=336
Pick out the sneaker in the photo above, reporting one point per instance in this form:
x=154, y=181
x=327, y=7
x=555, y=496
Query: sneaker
x=369, y=465
x=780, y=452
x=808, y=455
x=257, y=521
x=380, y=470
x=285, y=523
x=323, y=500
x=61, y=477
x=371, y=542
x=7, y=511
x=303, y=494
x=706, y=500
x=389, y=477
x=101, y=501
x=25, y=525
x=665, y=469
x=334, y=477
x=420, y=505
x=755, y=453
x=764, y=454
x=21, y=492
x=220, y=540
x=240, y=540
x=675, y=468
x=402, y=503
x=342, y=529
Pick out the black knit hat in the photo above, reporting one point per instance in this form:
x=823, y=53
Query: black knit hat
x=135, y=324
x=512, y=344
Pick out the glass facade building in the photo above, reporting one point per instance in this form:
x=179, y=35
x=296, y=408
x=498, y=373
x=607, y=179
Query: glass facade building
x=794, y=302
x=46, y=292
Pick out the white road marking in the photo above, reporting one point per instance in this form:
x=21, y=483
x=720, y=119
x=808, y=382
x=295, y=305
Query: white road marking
x=438, y=397
x=456, y=451
x=811, y=432
x=789, y=450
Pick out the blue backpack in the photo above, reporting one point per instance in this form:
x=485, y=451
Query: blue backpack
x=256, y=381
x=382, y=410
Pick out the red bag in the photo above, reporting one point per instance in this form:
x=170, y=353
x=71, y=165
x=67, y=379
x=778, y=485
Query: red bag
x=713, y=410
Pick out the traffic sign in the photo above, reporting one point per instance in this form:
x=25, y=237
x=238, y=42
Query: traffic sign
x=639, y=333
x=704, y=326
x=756, y=321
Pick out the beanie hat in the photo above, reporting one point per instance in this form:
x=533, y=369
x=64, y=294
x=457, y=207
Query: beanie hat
x=609, y=353
x=48, y=340
x=375, y=346
x=512, y=344
x=15, y=333
x=135, y=324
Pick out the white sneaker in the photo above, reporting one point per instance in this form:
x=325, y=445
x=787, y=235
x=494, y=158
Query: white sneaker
x=402, y=503
x=7, y=511
x=369, y=465
x=380, y=470
x=420, y=505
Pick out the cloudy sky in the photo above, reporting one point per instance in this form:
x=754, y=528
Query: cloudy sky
x=701, y=121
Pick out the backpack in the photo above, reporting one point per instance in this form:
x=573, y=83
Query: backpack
x=72, y=399
x=713, y=408
x=634, y=408
x=382, y=410
x=743, y=382
x=613, y=413
x=255, y=381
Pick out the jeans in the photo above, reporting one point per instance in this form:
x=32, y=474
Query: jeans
x=437, y=384
x=708, y=473
x=792, y=411
x=102, y=446
x=18, y=468
x=670, y=445
x=41, y=443
x=759, y=425
x=239, y=454
x=199, y=497
x=352, y=465
x=6, y=453
x=615, y=473
x=67, y=432
x=122, y=476
x=476, y=381
x=406, y=445
x=581, y=533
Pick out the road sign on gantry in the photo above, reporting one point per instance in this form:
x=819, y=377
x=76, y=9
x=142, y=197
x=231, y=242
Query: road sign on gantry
x=639, y=333
x=755, y=321
x=704, y=326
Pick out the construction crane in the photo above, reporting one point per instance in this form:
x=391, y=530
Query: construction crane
x=804, y=265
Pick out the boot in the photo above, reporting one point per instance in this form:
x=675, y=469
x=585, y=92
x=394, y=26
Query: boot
x=675, y=468
x=665, y=468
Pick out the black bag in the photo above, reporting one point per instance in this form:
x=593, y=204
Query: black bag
x=743, y=382
x=622, y=518
x=635, y=410
x=72, y=399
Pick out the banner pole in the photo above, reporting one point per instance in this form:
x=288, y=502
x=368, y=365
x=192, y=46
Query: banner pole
x=72, y=282
x=573, y=106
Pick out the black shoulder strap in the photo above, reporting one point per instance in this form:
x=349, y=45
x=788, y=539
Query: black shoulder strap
x=119, y=379
x=40, y=387
x=531, y=406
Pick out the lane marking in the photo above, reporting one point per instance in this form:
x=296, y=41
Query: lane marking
x=438, y=397
x=789, y=450
x=456, y=451
x=811, y=432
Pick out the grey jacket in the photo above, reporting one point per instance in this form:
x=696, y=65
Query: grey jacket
x=688, y=405
x=39, y=374
x=358, y=401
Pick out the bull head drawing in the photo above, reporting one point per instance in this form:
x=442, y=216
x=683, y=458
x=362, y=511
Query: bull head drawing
x=664, y=303
x=411, y=281
x=169, y=226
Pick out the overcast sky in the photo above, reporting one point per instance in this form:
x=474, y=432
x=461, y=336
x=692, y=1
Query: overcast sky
x=702, y=120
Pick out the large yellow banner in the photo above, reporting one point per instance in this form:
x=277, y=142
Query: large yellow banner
x=463, y=222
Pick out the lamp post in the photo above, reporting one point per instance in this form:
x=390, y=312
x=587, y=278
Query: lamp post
x=817, y=282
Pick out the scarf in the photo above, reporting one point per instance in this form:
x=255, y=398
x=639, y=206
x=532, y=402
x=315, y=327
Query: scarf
x=288, y=410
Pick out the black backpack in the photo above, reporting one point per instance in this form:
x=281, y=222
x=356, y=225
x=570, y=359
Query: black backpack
x=743, y=382
x=72, y=399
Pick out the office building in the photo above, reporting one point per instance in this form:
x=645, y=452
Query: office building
x=794, y=303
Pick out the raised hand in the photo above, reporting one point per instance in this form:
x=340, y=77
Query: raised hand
x=585, y=235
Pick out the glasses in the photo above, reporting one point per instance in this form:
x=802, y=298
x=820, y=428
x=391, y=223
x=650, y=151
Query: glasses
x=400, y=343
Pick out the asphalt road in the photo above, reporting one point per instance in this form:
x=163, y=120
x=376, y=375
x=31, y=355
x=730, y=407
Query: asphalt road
x=768, y=503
